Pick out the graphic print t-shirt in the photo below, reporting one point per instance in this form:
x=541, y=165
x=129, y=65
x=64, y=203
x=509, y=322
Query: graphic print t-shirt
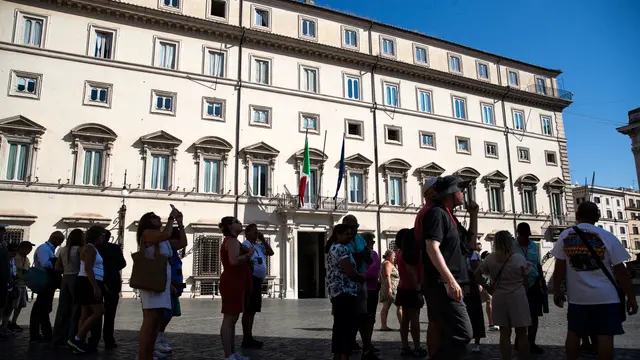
x=337, y=280
x=586, y=283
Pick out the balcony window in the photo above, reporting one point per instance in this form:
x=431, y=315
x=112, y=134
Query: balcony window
x=395, y=191
x=528, y=201
x=159, y=172
x=259, y=180
x=17, y=162
x=310, y=191
x=212, y=176
x=496, y=200
x=92, y=169
x=356, y=188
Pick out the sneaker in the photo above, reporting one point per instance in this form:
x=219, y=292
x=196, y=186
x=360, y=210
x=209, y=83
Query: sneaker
x=158, y=355
x=237, y=356
x=163, y=347
x=14, y=327
x=77, y=345
x=475, y=348
x=494, y=328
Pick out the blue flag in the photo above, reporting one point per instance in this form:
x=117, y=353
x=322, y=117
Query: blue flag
x=341, y=171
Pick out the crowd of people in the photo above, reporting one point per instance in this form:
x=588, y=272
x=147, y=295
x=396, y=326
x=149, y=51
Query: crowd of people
x=439, y=263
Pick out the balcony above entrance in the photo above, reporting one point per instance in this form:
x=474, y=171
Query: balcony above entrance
x=313, y=204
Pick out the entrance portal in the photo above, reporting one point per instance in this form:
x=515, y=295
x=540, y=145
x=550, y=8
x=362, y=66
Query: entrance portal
x=311, y=265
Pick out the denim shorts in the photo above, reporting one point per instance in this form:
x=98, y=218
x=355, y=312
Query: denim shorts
x=594, y=320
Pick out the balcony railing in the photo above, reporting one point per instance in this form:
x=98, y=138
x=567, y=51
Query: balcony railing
x=549, y=91
x=322, y=203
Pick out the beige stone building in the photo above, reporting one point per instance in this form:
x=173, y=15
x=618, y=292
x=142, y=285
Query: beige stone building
x=204, y=104
x=632, y=201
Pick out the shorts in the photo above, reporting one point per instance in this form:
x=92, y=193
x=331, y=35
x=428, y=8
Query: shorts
x=83, y=291
x=253, y=301
x=361, y=299
x=595, y=320
x=409, y=299
x=372, y=304
x=345, y=323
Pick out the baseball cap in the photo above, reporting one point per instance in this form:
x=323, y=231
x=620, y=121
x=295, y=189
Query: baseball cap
x=26, y=243
x=429, y=183
x=450, y=184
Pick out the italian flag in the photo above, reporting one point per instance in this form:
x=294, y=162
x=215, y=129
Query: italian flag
x=306, y=172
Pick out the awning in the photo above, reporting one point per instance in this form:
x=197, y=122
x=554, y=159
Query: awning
x=17, y=217
x=85, y=219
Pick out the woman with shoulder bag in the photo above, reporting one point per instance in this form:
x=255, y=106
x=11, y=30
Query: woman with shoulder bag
x=508, y=271
x=152, y=236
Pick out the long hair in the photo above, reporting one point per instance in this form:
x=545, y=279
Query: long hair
x=75, y=238
x=225, y=225
x=503, y=245
x=143, y=225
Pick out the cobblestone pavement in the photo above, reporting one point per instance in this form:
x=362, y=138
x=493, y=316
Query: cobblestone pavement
x=291, y=329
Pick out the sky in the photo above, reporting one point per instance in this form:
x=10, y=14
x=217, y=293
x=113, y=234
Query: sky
x=596, y=43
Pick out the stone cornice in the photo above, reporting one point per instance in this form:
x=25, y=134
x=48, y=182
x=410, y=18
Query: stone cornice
x=230, y=33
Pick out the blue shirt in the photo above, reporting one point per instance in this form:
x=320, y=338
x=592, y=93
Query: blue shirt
x=532, y=254
x=43, y=256
x=357, y=245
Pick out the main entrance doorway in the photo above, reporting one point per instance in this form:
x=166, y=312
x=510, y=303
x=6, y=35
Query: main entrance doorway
x=311, y=267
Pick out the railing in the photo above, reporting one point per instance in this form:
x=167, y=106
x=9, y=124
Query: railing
x=549, y=91
x=323, y=203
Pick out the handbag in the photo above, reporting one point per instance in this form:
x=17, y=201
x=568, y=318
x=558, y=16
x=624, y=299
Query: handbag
x=596, y=258
x=149, y=274
x=492, y=286
x=36, y=279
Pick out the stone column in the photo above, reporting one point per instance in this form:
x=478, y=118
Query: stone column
x=633, y=131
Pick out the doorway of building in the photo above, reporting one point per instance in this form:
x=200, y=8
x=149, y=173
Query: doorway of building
x=311, y=265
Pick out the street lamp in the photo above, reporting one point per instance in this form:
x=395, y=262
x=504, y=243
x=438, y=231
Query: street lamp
x=122, y=212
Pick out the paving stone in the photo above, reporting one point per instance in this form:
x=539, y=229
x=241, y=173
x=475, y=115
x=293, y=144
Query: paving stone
x=291, y=329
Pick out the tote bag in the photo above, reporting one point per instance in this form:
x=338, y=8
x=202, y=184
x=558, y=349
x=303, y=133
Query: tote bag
x=36, y=279
x=149, y=274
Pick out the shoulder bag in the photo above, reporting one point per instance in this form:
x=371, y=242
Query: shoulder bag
x=35, y=278
x=596, y=258
x=492, y=286
x=149, y=274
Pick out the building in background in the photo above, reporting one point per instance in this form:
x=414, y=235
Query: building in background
x=205, y=105
x=633, y=131
x=613, y=208
x=632, y=201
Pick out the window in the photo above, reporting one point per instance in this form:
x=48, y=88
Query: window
x=170, y=4
x=523, y=154
x=619, y=213
x=556, y=205
x=421, y=55
x=495, y=200
x=518, y=120
x=17, y=161
x=259, y=180
x=490, y=149
x=391, y=97
x=25, y=84
x=388, y=47
x=550, y=157
x=487, y=113
x=92, y=169
x=349, y=38
x=459, y=108
x=97, y=94
x=308, y=28
x=215, y=64
x=617, y=202
x=166, y=54
x=455, y=64
x=463, y=145
x=610, y=229
x=308, y=79
x=597, y=200
x=310, y=191
x=395, y=191
x=354, y=129
x=607, y=200
x=261, y=71
x=309, y=123
x=260, y=116
x=213, y=109
x=163, y=102
x=541, y=86
x=427, y=140
x=352, y=87
x=30, y=29
x=609, y=214
x=102, y=42
x=261, y=18
x=159, y=172
x=424, y=101
x=623, y=230
x=624, y=243
x=514, y=79
x=206, y=258
x=632, y=203
x=483, y=71
x=393, y=135
x=635, y=232
x=217, y=9
x=212, y=176
x=546, y=126
x=529, y=201
x=356, y=188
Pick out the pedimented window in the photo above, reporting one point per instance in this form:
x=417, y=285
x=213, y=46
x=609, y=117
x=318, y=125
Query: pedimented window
x=356, y=178
x=259, y=163
x=469, y=174
x=211, y=154
x=92, y=144
x=394, y=173
x=19, y=145
x=159, y=150
x=494, y=183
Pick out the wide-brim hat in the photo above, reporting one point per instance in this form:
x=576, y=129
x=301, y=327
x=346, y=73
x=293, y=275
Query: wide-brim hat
x=450, y=184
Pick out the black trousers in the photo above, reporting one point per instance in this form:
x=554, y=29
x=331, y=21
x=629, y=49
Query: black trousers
x=39, y=323
x=454, y=320
x=105, y=326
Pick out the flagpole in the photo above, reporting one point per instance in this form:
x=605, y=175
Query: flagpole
x=319, y=192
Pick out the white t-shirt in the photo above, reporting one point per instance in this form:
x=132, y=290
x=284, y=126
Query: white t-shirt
x=259, y=260
x=586, y=283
